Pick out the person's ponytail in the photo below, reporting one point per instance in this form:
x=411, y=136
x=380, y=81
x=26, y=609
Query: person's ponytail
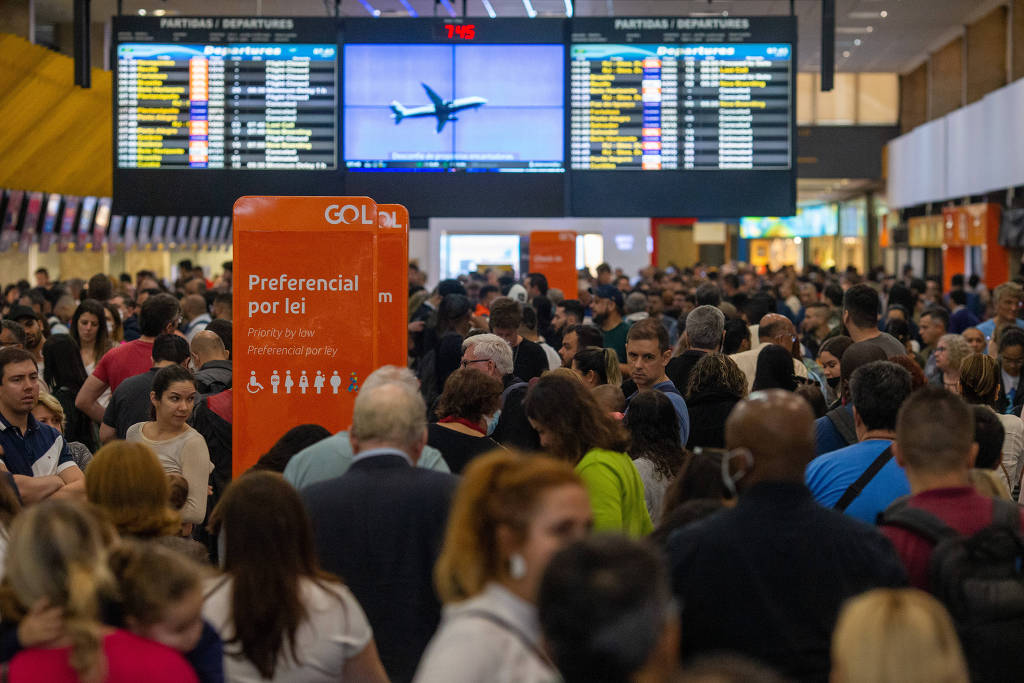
x=612, y=371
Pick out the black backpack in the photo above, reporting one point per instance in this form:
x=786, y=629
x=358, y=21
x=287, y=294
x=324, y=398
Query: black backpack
x=980, y=580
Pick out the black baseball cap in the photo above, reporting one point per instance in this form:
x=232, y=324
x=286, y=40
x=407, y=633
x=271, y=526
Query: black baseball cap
x=609, y=292
x=20, y=313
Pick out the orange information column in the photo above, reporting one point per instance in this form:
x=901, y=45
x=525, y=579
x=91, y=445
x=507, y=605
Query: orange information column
x=393, y=284
x=553, y=253
x=305, y=300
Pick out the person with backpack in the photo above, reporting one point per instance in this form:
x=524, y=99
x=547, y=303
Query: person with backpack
x=964, y=548
x=861, y=480
x=837, y=428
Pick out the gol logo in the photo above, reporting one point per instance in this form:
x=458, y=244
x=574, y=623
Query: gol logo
x=388, y=219
x=347, y=214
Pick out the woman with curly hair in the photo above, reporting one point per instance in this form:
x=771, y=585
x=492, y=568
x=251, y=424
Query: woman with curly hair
x=716, y=385
x=467, y=411
x=656, y=449
x=574, y=428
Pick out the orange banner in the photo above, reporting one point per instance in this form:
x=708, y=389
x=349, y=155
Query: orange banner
x=306, y=298
x=393, y=284
x=553, y=253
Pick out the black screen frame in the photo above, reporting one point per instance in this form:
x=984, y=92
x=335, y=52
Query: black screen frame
x=690, y=193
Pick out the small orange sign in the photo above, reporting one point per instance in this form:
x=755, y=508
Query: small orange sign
x=306, y=300
x=393, y=284
x=553, y=253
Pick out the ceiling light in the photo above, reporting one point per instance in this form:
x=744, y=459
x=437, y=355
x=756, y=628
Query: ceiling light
x=409, y=8
x=883, y=14
x=530, y=11
x=846, y=53
x=159, y=12
x=142, y=12
x=490, y=9
x=856, y=41
x=568, y=8
x=869, y=29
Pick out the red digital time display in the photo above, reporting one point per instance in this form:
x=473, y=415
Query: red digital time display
x=460, y=31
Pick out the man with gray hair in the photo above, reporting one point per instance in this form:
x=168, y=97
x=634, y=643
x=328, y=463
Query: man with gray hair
x=705, y=330
x=380, y=525
x=491, y=355
x=331, y=457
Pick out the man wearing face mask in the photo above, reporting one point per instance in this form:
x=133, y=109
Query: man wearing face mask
x=468, y=411
x=767, y=578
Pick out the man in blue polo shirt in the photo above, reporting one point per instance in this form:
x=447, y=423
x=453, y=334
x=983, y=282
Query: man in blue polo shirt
x=34, y=453
x=861, y=480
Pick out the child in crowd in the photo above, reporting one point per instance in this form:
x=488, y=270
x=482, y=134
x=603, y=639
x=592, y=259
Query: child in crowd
x=163, y=601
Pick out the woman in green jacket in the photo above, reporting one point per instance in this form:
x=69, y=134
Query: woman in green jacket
x=573, y=427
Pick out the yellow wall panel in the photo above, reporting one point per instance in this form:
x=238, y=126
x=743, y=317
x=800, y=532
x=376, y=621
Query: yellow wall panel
x=56, y=137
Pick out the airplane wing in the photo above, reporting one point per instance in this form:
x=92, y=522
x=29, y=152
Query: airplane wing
x=435, y=99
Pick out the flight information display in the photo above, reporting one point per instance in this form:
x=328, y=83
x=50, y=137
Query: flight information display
x=226, y=106
x=473, y=110
x=703, y=104
x=220, y=107
x=668, y=107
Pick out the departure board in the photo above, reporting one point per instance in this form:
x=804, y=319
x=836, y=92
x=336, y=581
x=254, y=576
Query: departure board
x=215, y=108
x=668, y=107
x=226, y=106
x=704, y=104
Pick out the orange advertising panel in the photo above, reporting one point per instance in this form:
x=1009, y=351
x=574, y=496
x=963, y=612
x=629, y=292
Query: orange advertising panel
x=392, y=284
x=954, y=226
x=553, y=253
x=305, y=299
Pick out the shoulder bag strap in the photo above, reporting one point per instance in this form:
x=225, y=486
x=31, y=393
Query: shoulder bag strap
x=519, y=635
x=857, y=487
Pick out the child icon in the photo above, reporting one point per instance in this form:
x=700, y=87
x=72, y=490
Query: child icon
x=353, y=382
x=303, y=382
x=288, y=382
x=275, y=381
x=254, y=387
x=319, y=381
x=335, y=382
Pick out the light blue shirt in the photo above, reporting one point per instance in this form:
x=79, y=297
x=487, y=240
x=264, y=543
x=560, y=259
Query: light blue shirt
x=828, y=476
x=988, y=328
x=331, y=457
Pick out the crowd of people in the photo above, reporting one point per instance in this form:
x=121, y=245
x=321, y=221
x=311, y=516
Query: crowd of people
x=698, y=475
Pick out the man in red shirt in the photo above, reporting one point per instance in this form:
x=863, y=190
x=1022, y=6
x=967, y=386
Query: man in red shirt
x=160, y=314
x=935, y=446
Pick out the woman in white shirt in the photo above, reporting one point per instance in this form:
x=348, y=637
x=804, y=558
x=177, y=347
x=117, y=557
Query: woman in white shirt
x=180, y=449
x=280, y=617
x=510, y=515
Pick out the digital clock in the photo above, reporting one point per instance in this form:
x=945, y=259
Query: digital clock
x=459, y=31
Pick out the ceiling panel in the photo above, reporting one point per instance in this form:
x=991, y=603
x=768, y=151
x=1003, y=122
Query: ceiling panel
x=894, y=43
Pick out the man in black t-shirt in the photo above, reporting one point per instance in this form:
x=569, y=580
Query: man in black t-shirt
x=528, y=358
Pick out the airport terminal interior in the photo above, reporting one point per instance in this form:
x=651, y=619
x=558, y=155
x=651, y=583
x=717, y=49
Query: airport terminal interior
x=579, y=340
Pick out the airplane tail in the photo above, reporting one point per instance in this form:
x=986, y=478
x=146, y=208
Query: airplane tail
x=398, y=112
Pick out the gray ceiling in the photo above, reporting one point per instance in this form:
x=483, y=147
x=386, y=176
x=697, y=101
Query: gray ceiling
x=895, y=43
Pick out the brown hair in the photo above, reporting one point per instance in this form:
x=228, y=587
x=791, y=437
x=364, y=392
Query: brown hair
x=12, y=354
x=574, y=418
x=935, y=431
x=917, y=378
x=127, y=484
x=177, y=486
x=268, y=548
x=506, y=314
x=498, y=489
x=649, y=329
x=716, y=371
x=979, y=379
x=152, y=578
x=470, y=395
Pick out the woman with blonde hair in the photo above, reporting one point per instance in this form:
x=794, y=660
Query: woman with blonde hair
x=58, y=553
x=510, y=515
x=127, y=484
x=950, y=352
x=597, y=367
x=898, y=635
x=979, y=383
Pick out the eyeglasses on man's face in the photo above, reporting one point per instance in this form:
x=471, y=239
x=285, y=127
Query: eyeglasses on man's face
x=466, y=363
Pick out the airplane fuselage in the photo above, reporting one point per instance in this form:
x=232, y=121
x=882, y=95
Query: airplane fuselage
x=446, y=111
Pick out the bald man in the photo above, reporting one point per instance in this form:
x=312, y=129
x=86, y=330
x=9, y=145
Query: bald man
x=196, y=315
x=767, y=577
x=211, y=358
x=773, y=329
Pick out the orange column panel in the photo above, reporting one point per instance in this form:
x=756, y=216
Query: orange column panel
x=305, y=310
x=553, y=253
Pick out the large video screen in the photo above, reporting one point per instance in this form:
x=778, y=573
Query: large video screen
x=809, y=221
x=475, y=110
x=454, y=107
x=220, y=107
x=704, y=105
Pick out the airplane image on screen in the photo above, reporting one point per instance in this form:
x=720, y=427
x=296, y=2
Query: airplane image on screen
x=443, y=111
